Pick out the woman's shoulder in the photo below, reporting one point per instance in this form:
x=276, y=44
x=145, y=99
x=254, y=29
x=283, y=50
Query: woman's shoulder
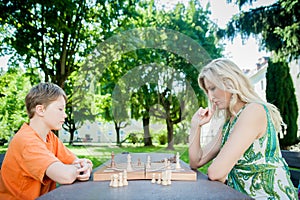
x=258, y=107
x=257, y=111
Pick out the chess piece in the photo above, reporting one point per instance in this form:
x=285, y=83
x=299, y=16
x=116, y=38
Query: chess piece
x=112, y=163
x=153, y=178
x=169, y=173
x=111, y=181
x=164, y=178
x=166, y=162
x=177, y=161
x=148, y=162
x=115, y=181
x=125, y=182
x=120, y=180
x=169, y=177
x=159, y=179
x=129, y=167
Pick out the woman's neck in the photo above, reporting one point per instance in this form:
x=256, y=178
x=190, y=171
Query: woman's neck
x=237, y=107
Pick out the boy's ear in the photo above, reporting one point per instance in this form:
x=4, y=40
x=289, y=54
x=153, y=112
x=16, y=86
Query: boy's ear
x=39, y=109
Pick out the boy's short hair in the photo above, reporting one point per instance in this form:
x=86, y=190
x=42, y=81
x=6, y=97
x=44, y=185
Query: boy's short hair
x=42, y=94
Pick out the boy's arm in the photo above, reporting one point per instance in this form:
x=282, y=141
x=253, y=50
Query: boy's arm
x=62, y=173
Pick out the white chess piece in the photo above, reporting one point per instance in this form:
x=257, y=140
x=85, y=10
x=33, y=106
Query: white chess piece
x=115, y=181
x=111, y=181
x=159, y=179
x=169, y=177
x=169, y=173
x=177, y=161
x=120, y=180
x=166, y=162
x=125, y=182
x=148, y=162
x=153, y=178
x=129, y=167
x=164, y=178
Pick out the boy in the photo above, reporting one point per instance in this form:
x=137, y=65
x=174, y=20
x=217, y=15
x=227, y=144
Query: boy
x=36, y=159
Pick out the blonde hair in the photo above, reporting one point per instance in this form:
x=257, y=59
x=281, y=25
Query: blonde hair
x=226, y=75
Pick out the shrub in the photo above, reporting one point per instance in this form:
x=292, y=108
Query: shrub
x=162, y=139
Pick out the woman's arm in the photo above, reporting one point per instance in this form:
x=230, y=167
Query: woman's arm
x=250, y=125
x=199, y=156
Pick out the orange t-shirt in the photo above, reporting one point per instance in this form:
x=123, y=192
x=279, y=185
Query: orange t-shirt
x=23, y=171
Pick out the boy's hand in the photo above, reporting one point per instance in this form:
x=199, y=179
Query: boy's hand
x=85, y=169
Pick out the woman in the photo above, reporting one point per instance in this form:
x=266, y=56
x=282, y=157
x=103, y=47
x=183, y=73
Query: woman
x=245, y=151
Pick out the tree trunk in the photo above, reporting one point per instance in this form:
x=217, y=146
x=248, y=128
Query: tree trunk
x=170, y=134
x=117, y=127
x=147, y=136
x=72, y=129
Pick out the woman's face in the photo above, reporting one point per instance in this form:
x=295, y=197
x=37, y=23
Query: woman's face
x=217, y=96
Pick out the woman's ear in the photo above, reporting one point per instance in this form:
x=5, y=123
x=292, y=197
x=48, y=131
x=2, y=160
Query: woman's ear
x=39, y=109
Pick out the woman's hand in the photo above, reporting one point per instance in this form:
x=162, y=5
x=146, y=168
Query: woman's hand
x=203, y=116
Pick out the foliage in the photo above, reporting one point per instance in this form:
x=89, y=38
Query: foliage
x=14, y=86
x=135, y=138
x=55, y=37
x=162, y=138
x=276, y=25
x=164, y=65
x=181, y=133
x=281, y=92
x=141, y=103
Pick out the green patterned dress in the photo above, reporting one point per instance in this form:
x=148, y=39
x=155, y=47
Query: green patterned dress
x=261, y=172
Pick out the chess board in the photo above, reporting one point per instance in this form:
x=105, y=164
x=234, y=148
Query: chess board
x=141, y=170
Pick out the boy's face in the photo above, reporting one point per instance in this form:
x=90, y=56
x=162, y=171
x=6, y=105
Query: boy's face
x=54, y=114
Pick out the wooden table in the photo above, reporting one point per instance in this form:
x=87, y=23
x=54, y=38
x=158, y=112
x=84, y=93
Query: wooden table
x=202, y=188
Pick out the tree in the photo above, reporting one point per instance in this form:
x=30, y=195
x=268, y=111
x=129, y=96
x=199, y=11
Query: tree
x=183, y=41
x=193, y=22
x=55, y=37
x=281, y=92
x=276, y=25
x=141, y=103
x=14, y=86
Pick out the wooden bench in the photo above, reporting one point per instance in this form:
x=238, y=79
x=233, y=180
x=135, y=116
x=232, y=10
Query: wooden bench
x=293, y=160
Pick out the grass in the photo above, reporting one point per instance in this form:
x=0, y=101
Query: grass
x=102, y=153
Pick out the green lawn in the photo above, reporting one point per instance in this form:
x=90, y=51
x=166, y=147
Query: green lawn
x=100, y=154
